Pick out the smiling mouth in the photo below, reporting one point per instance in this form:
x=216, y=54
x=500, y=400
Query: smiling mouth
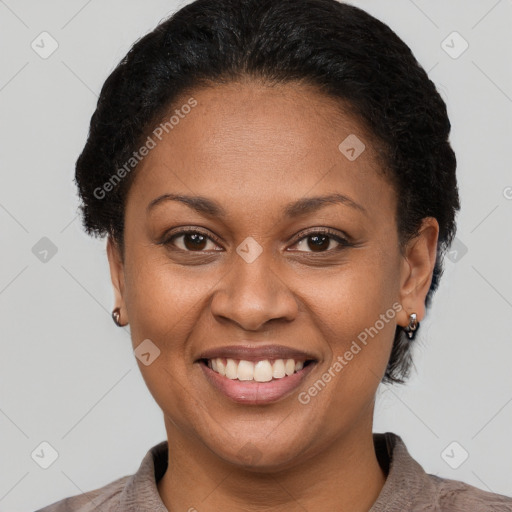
x=264, y=370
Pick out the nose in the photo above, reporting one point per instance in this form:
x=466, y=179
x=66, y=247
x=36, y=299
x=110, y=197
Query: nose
x=253, y=294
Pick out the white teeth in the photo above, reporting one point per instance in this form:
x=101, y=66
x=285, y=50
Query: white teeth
x=245, y=370
x=260, y=371
x=221, y=367
x=289, y=367
x=231, y=369
x=278, y=369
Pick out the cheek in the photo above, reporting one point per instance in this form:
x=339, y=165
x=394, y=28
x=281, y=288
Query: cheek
x=162, y=299
x=162, y=306
x=348, y=318
x=356, y=310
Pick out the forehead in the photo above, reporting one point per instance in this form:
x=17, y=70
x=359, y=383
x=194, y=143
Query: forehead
x=252, y=144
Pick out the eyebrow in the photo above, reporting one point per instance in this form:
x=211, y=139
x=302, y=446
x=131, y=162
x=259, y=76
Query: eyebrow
x=300, y=207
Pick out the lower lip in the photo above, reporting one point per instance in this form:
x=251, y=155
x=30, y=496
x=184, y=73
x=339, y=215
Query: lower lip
x=252, y=392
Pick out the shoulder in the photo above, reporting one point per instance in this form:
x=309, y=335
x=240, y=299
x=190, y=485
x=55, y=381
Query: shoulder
x=454, y=496
x=129, y=493
x=409, y=487
x=105, y=498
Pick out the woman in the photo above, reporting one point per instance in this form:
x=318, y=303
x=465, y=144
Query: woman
x=278, y=191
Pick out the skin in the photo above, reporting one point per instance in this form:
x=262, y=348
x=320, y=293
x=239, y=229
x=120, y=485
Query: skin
x=254, y=149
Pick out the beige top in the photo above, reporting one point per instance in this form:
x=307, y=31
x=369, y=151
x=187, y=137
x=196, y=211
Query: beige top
x=407, y=488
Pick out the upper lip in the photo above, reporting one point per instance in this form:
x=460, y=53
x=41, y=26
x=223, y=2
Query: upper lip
x=256, y=353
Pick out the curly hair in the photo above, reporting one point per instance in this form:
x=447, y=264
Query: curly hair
x=340, y=49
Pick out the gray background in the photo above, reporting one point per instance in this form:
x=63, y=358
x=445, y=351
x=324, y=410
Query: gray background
x=68, y=375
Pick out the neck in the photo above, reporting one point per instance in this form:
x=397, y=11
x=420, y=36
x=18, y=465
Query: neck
x=344, y=476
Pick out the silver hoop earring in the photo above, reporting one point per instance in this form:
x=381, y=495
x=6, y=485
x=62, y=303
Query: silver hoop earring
x=413, y=326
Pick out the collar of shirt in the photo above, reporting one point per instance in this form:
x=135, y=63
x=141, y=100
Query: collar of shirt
x=404, y=478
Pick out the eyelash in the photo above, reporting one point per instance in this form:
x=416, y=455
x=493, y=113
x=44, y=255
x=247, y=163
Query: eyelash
x=343, y=242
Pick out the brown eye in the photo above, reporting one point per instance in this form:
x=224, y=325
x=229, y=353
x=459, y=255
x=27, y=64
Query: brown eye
x=321, y=241
x=318, y=242
x=194, y=241
x=190, y=241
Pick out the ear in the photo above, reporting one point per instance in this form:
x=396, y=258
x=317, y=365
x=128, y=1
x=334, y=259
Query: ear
x=116, y=265
x=417, y=271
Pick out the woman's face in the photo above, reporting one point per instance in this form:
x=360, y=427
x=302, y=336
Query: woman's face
x=263, y=282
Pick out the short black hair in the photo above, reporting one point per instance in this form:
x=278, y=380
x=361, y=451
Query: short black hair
x=339, y=48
